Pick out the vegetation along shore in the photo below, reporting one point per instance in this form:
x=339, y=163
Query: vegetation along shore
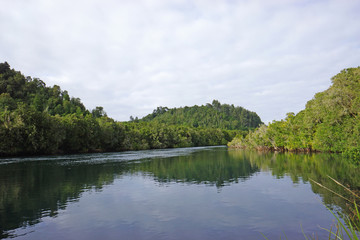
x=329, y=123
x=37, y=119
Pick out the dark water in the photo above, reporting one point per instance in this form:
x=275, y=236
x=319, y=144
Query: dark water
x=191, y=193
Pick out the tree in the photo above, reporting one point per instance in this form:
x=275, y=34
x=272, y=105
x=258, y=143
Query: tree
x=98, y=112
x=329, y=122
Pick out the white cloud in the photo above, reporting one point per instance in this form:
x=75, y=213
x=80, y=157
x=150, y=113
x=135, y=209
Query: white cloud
x=131, y=56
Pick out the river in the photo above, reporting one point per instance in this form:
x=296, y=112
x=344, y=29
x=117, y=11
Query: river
x=188, y=193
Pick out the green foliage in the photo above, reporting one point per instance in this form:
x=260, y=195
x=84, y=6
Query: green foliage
x=353, y=154
x=330, y=121
x=144, y=135
x=36, y=119
x=98, y=112
x=215, y=115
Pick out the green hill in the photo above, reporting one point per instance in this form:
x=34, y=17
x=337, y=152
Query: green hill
x=15, y=89
x=37, y=119
x=330, y=121
x=215, y=115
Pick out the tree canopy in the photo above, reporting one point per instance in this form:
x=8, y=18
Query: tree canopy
x=330, y=122
x=214, y=115
x=37, y=119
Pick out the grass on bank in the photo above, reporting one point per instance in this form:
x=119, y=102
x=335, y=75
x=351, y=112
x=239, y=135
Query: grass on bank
x=346, y=226
x=350, y=228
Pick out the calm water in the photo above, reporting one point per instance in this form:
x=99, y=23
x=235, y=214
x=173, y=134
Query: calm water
x=190, y=193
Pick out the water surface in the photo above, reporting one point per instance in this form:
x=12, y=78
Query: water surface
x=189, y=193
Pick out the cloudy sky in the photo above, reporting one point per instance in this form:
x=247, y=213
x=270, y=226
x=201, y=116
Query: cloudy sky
x=131, y=56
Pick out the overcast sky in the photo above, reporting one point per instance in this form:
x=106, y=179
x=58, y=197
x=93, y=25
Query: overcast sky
x=131, y=56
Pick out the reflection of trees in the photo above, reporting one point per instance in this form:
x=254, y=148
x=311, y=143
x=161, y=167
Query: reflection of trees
x=302, y=167
x=211, y=167
x=32, y=190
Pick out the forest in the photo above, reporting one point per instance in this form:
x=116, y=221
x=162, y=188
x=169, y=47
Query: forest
x=214, y=115
x=37, y=119
x=329, y=123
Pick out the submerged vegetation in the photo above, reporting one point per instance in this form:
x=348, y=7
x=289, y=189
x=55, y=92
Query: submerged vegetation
x=329, y=123
x=37, y=119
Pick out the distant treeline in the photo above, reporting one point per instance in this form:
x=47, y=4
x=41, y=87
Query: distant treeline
x=36, y=119
x=215, y=115
x=329, y=123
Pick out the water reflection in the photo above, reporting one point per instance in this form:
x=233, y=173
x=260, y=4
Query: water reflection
x=32, y=189
x=208, y=167
x=303, y=167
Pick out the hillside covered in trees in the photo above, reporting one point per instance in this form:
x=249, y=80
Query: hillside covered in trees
x=37, y=119
x=215, y=115
x=330, y=122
